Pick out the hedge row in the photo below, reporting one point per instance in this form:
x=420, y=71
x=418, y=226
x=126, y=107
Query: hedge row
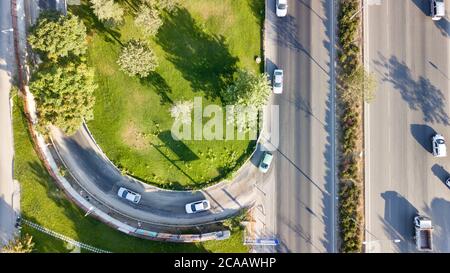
x=349, y=59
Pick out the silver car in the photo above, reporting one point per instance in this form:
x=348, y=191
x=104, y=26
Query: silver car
x=265, y=162
x=129, y=195
x=281, y=8
x=278, y=81
x=197, y=206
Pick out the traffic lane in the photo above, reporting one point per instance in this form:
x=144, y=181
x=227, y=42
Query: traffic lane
x=304, y=215
x=410, y=91
x=393, y=132
x=292, y=232
x=93, y=172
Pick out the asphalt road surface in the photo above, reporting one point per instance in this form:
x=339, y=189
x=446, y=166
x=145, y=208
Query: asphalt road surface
x=300, y=44
x=98, y=176
x=408, y=52
x=7, y=214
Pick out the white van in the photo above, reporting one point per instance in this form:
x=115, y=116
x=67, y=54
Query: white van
x=439, y=148
x=437, y=9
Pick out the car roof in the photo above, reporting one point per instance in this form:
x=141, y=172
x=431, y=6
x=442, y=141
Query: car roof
x=282, y=1
x=440, y=8
x=267, y=158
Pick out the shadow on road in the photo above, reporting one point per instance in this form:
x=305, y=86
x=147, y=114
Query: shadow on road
x=329, y=216
x=438, y=211
x=398, y=220
x=420, y=94
x=443, y=25
x=440, y=172
x=423, y=133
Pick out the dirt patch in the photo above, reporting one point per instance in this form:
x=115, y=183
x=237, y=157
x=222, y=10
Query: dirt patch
x=134, y=137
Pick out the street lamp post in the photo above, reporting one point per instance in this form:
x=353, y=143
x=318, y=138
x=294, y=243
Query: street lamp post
x=356, y=13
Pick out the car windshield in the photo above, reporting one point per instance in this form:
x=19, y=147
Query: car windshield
x=264, y=165
x=124, y=194
x=193, y=207
x=440, y=141
x=281, y=6
x=277, y=84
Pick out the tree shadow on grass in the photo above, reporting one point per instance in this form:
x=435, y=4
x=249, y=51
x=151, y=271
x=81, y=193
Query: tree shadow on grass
x=183, y=152
x=420, y=94
x=258, y=9
x=203, y=59
x=85, y=12
x=160, y=85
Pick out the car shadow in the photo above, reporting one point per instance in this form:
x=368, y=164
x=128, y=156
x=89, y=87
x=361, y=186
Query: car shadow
x=440, y=172
x=398, y=219
x=423, y=134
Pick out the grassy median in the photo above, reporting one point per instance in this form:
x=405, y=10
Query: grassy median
x=199, y=46
x=43, y=203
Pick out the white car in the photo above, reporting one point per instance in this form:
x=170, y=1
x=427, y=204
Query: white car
x=278, y=81
x=447, y=182
x=439, y=148
x=437, y=9
x=129, y=195
x=281, y=8
x=265, y=162
x=197, y=206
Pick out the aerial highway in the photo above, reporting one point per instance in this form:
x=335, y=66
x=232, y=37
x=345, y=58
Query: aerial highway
x=302, y=178
x=409, y=54
x=302, y=44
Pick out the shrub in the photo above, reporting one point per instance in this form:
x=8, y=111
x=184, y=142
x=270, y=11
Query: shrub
x=137, y=58
x=107, y=11
x=148, y=19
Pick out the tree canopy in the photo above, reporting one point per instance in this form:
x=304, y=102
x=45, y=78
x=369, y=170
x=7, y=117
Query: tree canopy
x=19, y=245
x=148, y=19
x=58, y=36
x=108, y=11
x=64, y=96
x=137, y=58
x=249, y=89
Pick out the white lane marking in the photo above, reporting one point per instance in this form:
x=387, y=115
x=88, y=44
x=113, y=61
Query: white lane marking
x=333, y=129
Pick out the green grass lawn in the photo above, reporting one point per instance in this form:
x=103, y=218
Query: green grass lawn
x=44, y=204
x=199, y=48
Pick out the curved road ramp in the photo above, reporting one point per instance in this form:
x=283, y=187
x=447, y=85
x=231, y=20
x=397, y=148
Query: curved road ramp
x=95, y=182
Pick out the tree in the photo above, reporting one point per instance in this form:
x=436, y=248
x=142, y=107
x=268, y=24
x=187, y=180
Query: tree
x=19, y=245
x=148, y=19
x=64, y=96
x=167, y=5
x=357, y=86
x=58, y=36
x=107, y=11
x=137, y=58
x=249, y=89
x=181, y=111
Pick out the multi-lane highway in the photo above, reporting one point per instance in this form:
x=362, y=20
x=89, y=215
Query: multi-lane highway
x=409, y=54
x=304, y=167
